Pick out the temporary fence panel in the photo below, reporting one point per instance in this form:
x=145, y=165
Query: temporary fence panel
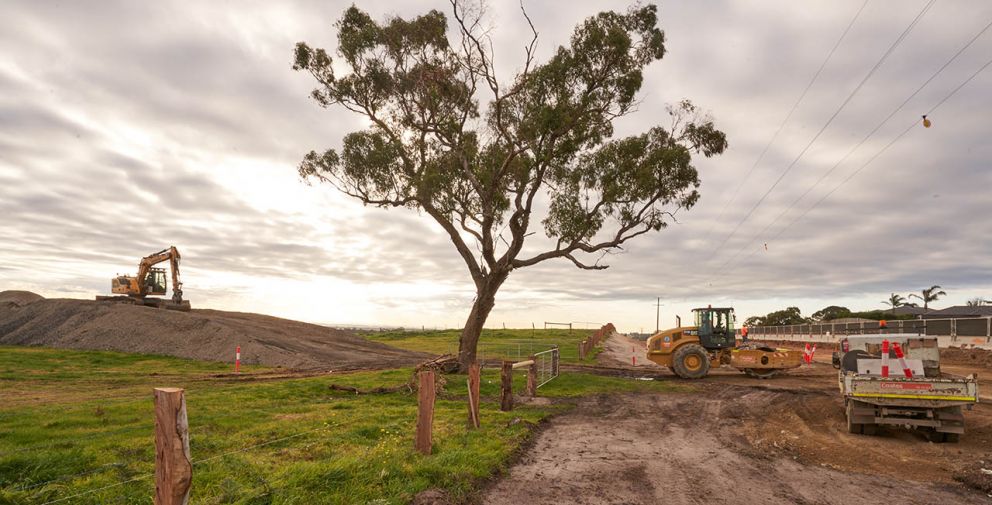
x=971, y=327
x=964, y=327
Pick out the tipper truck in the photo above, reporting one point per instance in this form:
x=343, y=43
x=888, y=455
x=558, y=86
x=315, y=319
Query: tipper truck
x=915, y=393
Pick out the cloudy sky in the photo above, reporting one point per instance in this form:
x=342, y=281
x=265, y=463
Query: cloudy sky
x=129, y=126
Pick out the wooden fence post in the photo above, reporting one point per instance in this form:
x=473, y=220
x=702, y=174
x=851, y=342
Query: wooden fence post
x=473, y=395
x=582, y=350
x=506, y=387
x=425, y=411
x=173, y=469
x=532, y=377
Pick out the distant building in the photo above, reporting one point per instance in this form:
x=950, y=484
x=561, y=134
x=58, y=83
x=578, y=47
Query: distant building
x=906, y=310
x=959, y=311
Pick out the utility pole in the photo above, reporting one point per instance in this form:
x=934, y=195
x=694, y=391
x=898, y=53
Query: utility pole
x=657, y=317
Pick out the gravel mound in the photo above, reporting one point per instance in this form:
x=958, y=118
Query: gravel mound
x=200, y=334
x=18, y=298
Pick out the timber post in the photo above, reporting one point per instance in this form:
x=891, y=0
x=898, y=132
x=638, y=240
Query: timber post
x=532, y=377
x=173, y=466
x=425, y=412
x=474, y=372
x=506, y=387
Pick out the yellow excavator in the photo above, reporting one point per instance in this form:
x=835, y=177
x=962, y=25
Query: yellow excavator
x=150, y=282
x=690, y=351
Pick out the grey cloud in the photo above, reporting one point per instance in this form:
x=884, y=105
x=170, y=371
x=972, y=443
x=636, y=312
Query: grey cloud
x=182, y=74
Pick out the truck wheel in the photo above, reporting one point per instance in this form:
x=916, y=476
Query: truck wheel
x=691, y=361
x=855, y=428
x=943, y=438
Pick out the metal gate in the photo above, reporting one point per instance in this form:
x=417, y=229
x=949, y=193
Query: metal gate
x=547, y=365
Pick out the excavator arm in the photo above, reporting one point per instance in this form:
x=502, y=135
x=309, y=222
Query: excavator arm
x=171, y=255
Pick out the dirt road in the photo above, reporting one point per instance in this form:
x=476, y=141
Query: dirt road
x=619, y=349
x=740, y=440
x=706, y=448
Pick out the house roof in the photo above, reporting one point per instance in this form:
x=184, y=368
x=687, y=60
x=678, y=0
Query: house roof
x=962, y=311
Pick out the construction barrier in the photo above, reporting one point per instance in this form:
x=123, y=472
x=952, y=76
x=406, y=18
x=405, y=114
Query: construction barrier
x=808, y=353
x=902, y=360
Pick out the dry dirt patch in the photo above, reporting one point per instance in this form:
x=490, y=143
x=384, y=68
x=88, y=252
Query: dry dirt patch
x=775, y=441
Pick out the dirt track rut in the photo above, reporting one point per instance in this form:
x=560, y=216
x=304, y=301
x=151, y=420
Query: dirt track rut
x=738, y=440
x=684, y=449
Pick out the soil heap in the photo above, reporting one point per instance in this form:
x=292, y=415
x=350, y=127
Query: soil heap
x=29, y=319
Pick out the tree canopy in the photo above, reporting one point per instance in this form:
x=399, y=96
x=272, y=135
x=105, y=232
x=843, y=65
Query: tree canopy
x=448, y=137
x=831, y=312
x=790, y=315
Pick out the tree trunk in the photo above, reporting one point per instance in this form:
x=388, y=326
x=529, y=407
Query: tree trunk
x=485, y=299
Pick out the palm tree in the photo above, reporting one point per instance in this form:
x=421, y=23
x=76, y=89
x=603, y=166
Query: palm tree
x=895, y=301
x=977, y=302
x=930, y=294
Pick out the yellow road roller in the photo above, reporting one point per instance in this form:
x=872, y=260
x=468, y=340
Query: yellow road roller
x=691, y=351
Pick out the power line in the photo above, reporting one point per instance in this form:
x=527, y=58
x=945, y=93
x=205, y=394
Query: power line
x=833, y=116
x=788, y=116
x=879, y=153
x=859, y=144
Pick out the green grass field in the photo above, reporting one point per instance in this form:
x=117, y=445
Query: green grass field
x=80, y=421
x=494, y=344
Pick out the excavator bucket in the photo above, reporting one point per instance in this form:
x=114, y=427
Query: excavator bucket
x=160, y=303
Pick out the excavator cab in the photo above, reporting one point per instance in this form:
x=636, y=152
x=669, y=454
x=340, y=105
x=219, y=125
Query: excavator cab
x=715, y=327
x=155, y=282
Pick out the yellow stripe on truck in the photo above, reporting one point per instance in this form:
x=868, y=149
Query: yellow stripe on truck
x=917, y=397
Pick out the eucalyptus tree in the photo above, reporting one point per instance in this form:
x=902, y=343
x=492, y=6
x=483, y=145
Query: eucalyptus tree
x=485, y=157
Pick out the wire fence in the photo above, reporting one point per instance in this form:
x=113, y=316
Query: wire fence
x=505, y=349
x=195, y=463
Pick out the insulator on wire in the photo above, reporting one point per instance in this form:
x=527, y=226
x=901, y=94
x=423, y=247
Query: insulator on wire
x=926, y=122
